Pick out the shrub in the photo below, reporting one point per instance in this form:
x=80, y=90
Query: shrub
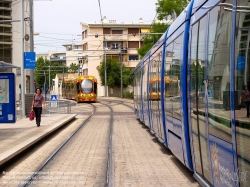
x=129, y=95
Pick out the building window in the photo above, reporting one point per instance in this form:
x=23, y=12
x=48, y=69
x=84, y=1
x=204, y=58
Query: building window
x=133, y=44
x=133, y=57
x=116, y=45
x=84, y=34
x=133, y=30
x=106, y=45
x=117, y=31
x=106, y=30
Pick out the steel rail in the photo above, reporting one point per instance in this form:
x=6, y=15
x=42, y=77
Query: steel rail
x=28, y=181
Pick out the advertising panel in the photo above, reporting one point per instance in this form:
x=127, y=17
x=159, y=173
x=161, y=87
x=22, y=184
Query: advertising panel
x=7, y=98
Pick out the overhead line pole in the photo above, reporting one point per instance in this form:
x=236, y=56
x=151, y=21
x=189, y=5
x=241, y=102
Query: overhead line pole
x=105, y=73
x=32, y=89
x=22, y=61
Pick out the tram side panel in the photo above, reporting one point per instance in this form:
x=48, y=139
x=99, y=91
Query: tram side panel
x=177, y=127
x=217, y=124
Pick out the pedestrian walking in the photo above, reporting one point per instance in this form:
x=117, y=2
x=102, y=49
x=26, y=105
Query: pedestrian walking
x=246, y=94
x=37, y=103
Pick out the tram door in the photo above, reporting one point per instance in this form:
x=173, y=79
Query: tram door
x=197, y=99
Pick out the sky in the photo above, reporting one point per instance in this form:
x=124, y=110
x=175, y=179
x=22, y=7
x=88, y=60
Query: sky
x=58, y=21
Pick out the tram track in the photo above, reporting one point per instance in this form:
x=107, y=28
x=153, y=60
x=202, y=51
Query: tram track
x=34, y=174
x=109, y=162
x=28, y=180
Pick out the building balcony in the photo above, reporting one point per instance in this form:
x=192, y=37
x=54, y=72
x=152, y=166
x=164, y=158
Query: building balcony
x=58, y=59
x=5, y=34
x=110, y=50
x=116, y=37
x=132, y=63
x=5, y=8
x=5, y=17
x=6, y=25
x=6, y=43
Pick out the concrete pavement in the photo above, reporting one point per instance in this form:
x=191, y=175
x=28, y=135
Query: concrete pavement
x=19, y=136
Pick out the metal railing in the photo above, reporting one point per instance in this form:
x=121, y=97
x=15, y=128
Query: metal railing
x=52, y=107
x=59, y=107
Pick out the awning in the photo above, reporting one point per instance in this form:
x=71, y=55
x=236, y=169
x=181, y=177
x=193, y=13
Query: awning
x=145, y=30
x=4, y=65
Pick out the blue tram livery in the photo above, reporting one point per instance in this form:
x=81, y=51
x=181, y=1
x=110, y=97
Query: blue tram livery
x=188, y=87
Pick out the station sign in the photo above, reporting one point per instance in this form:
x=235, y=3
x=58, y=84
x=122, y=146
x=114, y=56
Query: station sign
x=241, y=63
x=29, y=60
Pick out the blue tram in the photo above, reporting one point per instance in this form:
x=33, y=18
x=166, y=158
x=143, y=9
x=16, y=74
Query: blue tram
x=203, y=121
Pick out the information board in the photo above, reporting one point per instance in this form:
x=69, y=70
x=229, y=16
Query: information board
x=7, y=98
x=29, y=60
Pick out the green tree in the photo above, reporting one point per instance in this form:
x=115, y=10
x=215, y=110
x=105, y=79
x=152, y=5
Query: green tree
x=165, y=9
x=73, y=68
x=170, y=8
x=113, y=69
x=150, y=39
x=43, y=68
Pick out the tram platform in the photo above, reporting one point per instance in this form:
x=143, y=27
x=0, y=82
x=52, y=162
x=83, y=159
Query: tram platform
x=19, y=136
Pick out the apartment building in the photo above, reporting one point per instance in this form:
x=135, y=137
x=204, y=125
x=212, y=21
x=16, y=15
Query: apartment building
x=72, y=54
x=11, y=36
x=113, y=40
x=5, y=32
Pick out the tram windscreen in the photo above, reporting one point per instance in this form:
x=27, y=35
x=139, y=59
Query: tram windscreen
x=86, y=86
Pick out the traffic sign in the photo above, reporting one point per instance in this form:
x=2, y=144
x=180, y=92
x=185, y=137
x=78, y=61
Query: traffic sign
x=53, y=98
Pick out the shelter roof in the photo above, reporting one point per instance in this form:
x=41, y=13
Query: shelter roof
x=4, y=65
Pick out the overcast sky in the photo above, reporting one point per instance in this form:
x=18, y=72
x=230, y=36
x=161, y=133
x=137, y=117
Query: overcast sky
x=58, y=21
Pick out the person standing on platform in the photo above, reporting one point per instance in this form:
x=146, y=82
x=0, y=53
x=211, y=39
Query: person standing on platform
x=246, y=94
x=37, y=102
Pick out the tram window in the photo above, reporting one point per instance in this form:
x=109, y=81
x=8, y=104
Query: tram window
x=144, y=83
x=168, y=90
x=242, y=78
x=175, y=76
x=86, y=86
x=219, y=73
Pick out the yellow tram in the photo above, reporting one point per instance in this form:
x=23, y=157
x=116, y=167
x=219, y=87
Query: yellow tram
x=80, y=88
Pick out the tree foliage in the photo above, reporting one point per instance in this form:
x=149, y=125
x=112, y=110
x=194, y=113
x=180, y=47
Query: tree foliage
x=150, y=39
x=113, y=69
x=73, y=68
x=170, y=8
x=43, y=68
x=165, y=9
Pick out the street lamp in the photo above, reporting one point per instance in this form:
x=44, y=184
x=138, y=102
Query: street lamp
x=121, y=73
